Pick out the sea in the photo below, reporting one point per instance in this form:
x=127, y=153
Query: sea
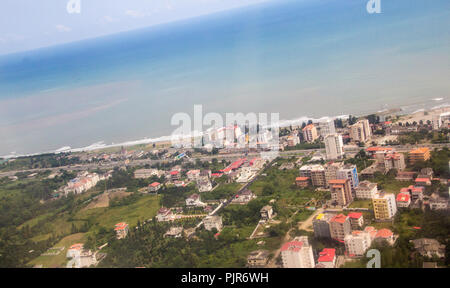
x=302, y=59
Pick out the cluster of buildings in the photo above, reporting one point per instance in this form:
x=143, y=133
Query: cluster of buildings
x=83, y=182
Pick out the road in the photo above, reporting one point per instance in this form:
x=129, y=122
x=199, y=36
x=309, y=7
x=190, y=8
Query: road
x=231, y=157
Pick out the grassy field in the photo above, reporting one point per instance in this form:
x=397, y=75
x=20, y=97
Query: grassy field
x=60, y=260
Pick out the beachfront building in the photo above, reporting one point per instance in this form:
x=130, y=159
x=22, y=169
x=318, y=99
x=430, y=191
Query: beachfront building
x=334, y=146
x=340, y=227
x=384, y=206
x=326, y=127
x=297, y=254
x=341, y=192
x=419, y=155
x=366, y=190
x=310, y=133
x=361, y=131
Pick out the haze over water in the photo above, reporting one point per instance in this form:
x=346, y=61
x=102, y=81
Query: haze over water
x=299, y=58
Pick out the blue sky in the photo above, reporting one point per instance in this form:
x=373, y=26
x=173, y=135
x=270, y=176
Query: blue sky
x=27, y=25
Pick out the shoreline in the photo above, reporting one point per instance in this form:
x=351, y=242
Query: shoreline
x=99, y=146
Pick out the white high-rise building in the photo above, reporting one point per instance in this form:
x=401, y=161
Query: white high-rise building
x=297, y=254
x=357, y=243
x=327, y=127
x=334, y=146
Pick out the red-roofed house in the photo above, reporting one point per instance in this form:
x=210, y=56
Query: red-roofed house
x=385, y=235
x=403, y=200
x=327, y=258
x=341, y=191
x=339, y=227
x=155, y=186
x=121, y=230
x=297, y=254
x=175, y=175
x=302, y=182
x=423, y=181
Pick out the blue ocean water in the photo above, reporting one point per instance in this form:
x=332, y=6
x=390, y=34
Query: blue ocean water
x=298, y=58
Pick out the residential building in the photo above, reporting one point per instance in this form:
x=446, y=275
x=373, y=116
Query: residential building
x=164, y=214
x=415, y=192
x=429, y=247
x=121, y=230
x=327, y=258
x=213, y=222
x=147, y=173
x=331, y=169
x=154, y=187
x=174, y=232
x=194, y=201
x=321, y=225
x=403, y=200
x=394, y=161
x=302, y=182
x=245, y=174
x=438, y=203
x=423, y=182
x=193, y=175
x=356, y=220
x=357, y=243
x=310, y=133
x=258, y=259
x=334, y=146
x=297, y=254
x=341, y=192
x=385, y=235
x=175, y=175
x=327, y=127
x=350, y=172
x=266, y=212
x=419, y=155
x=366, y=190
x=340, y=227
x=384, y=206
x=314, y=172
x=405, y=176
x=80, y=258
x=244, y=197
x=361, y=131
x=204, y=186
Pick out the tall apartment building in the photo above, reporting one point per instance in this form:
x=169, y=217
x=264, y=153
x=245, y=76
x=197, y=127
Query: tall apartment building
x=361, y=131
x=350, y=172
x=341, y=191
x=321, y=225
x=327, y=127
x=366, y=190
x=297, y=254
x=357, y=243
x=418, y=155
x=394, y=161
x=384, y=206
x=331, y=169
x=340, y=227
x=314, y=172
x=310, y=133
x=334, y=146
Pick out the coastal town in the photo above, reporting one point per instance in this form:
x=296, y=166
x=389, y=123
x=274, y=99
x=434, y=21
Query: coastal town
x=336, y=189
